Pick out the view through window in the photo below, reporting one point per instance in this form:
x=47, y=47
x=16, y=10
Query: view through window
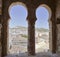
x=17, y=30
x=18, y=36
x=42, y=30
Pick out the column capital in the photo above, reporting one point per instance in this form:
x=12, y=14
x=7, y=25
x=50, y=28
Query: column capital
x=31, y=15
x=58, y=21
x=31, y=20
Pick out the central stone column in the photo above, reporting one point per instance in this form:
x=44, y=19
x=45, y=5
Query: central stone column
x=31, y=31
x=31, y=38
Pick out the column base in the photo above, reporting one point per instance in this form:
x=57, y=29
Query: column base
x=31, y=54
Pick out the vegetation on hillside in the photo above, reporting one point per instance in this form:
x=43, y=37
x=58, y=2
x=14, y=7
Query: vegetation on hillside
x=37, y=29
x=42, y=29
x=23, y=35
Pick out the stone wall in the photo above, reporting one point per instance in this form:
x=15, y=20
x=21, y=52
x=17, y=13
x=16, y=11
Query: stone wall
x=58, y=9
x=50, y=35
x=58, y=26
x=0, y=41
x=58, y=38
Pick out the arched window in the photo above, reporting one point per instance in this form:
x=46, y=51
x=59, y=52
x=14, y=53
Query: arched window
x=17, y=28
x=43, y=14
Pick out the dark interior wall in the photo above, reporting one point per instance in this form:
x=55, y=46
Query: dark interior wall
x=58, y=9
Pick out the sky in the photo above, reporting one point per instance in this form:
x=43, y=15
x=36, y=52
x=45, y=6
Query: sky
x=18, y=15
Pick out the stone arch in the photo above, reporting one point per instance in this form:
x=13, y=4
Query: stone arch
x=17, y=3
x=50, y=23
x=48, y=8
x=14, y=4
x=5, y=17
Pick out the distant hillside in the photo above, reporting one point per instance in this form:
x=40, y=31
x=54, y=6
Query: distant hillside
x=37, y=29
x=19, y=27
x=42, y=29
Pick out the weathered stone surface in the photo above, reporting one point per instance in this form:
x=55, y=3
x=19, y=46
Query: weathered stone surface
x=0, y=41
x=58, y=9
x=58, y=38
x=50, y=35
